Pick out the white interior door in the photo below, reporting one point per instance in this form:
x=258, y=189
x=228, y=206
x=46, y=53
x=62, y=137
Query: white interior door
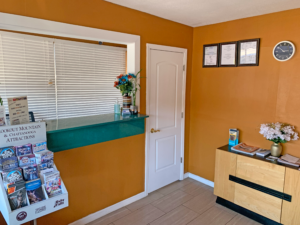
x=165, y=77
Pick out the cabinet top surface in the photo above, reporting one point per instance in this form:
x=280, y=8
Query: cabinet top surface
x=227, y=148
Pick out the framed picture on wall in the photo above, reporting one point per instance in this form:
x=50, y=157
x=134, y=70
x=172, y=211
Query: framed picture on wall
x=210, y=55
x=248, y=54
x=228, y=54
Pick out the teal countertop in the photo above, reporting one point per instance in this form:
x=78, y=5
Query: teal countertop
x=69, y=133
x=88, y=121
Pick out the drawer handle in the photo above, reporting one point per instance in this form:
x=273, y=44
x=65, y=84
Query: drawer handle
x=261, y=188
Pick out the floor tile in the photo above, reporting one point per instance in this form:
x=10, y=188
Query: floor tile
x=240, y=219
x=172, y=201
x=217, y=215
x=111, y=217
x=174, y=186
x=199, y=191
x=187, y=202
x=144, y=201
x=195, y=189
x=202, y=202
x=142, y=216
x=179, y=216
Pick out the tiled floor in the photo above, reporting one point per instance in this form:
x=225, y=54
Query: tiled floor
x=183, y=202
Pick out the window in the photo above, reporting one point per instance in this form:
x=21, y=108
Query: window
x=84, y=75
x=26, y=66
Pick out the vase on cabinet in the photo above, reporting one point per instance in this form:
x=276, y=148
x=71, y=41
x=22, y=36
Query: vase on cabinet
x=276, y=149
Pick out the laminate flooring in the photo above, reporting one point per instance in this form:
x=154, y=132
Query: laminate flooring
x=186, y=202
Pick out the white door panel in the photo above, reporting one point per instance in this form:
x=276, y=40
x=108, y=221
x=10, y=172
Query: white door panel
x=166, y=79
x=167, y=75
x=165, y=152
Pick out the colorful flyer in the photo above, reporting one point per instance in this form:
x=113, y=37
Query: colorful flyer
x=18, y=110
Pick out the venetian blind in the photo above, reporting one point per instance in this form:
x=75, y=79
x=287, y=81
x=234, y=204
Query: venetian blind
x=85, y=77
x=26, y=66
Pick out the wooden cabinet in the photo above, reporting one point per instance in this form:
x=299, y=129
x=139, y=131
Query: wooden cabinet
x=260, y=172
x=225, y=166
x=291, y=210
x=269, y=190
x=258, y=202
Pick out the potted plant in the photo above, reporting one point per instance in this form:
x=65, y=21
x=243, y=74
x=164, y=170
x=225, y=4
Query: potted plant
x=278, y=133
x=127, y=84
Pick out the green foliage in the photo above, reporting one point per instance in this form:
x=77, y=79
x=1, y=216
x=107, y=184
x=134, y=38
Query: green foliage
x=137, y=87
x=1, y=101
x=277, y=140
x=126, y=89
x=127, y=84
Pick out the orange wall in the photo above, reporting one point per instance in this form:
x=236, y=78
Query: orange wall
x=104, y=15
x=104, y=174
x=243, y=97
x=99, y=176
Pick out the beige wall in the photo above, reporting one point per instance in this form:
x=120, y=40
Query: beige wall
x=243, y=97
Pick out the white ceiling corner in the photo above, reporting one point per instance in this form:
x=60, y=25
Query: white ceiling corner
x=204, y=12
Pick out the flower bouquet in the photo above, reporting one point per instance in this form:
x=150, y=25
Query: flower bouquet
x=127, y=84
x=278, y=133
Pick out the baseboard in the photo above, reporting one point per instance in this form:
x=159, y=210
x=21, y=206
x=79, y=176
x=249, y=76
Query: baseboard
x=186, y=175
x=109, y=209
x=200, y=179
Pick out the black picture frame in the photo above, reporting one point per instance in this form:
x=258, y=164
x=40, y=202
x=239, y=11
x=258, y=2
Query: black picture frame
x=235, y=54
x=217, y=59
x=257, y=40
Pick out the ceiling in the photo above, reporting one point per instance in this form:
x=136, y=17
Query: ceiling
x=203, y=12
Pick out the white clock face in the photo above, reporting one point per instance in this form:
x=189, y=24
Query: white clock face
x=284, y=51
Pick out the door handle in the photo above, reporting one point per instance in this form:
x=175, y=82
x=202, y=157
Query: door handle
x=154, y=131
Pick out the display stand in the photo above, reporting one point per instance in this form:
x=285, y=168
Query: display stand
x=18, y=135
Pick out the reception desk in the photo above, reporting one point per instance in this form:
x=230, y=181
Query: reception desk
x=265, y=191
x=69, y=133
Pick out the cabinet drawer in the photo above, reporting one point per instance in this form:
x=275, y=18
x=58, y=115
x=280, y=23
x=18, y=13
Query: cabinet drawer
x=260, y=172
x=258, y=202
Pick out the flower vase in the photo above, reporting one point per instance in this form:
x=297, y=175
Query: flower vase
x=276, y=149
x=126, y=101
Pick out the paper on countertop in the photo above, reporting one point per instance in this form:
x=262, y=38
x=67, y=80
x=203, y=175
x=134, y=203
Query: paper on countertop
x=290, y=158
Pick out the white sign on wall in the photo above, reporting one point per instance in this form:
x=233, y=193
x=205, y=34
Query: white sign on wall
x=22, y=134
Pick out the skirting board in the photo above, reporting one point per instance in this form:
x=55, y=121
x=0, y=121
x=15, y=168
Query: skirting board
x=109, y=209
x=200, y=179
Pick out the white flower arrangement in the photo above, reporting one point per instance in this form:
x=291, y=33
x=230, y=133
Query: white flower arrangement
x=279, y=132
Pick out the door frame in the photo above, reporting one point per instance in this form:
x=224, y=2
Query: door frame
x=147, y=132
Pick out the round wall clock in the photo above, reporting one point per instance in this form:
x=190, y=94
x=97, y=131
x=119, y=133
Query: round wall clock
x=284, y=51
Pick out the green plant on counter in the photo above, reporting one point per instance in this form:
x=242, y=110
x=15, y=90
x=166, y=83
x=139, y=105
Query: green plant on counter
x=128, y=84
